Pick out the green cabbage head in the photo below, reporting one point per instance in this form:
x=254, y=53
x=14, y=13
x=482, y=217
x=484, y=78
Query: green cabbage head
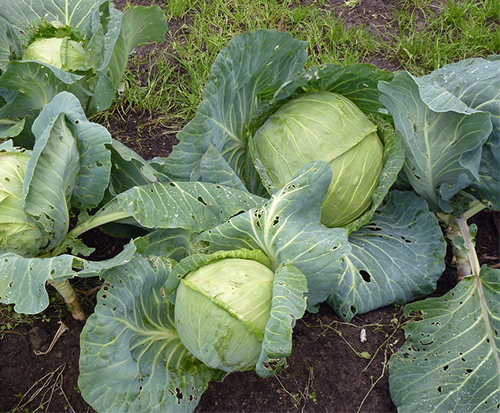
x=18, y=231
x=221, y=312
x=328, y=127
x=62, y=53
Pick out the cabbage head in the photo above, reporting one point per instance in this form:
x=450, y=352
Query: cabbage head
x=18, y=231
x=329, y=127
x=221, y=312
x=62, y=53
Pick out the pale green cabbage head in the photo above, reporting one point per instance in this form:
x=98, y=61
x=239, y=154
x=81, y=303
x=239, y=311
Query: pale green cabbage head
x=62, y=53
x=221, y=312
x=18, y=231
x=328, y=127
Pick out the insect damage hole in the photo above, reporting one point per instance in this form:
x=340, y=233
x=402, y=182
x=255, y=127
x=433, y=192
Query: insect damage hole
x=365, y=275
x=179, y=395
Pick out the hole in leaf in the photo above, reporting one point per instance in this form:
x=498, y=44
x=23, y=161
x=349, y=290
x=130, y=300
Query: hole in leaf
x=440, y=389
x=179, y=395
x=366, y=276
x=201, y=201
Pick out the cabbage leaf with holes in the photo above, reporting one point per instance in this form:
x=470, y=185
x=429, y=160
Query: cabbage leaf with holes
x=459, y=332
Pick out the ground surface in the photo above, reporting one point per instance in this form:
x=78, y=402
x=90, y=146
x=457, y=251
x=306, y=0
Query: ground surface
x=330, y=369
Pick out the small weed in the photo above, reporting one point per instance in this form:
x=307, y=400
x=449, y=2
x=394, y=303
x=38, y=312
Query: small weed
x=301, y=397
x=10, y=320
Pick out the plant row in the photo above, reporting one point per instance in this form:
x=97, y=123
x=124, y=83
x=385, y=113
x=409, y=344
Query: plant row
x=291, y=187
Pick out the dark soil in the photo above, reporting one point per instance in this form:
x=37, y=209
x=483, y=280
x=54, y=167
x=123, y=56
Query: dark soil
x=330, y=369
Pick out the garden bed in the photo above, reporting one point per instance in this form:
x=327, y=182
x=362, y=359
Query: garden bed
x=334, y=366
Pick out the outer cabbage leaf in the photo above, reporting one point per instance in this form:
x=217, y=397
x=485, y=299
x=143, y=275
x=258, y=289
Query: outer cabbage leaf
x=397, y=257
x=174, y=243
x=9, y=43
x=131, y=356
x=129, y=169
x=138, y=25
x=214, y=168
x=194, y=206
x=35, y=85
x=451, y=359
x=69, y=163
x=451, y=130
x=94, y=156
x=288, y=305
x=23, y=279
x=288, y=230
x=50, y=179
x=357, y=82
x=247, y=72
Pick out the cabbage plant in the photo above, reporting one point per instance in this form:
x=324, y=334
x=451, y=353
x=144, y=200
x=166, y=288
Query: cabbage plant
x=450, y=124
x=181, y=314
x=66, y=45
x=179, y=325
x=248, y=133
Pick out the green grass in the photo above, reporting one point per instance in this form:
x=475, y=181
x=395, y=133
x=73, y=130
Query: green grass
x=427, y=40
x=420, y=36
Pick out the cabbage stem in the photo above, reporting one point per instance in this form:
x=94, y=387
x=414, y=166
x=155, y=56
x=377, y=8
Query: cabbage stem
x=68, y=293
x=462, y=240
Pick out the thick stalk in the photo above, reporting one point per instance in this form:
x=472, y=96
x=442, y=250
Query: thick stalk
x=68, y=293
x=470, y=247
x=459, y=233
x=104, y=216
x=463, y=245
